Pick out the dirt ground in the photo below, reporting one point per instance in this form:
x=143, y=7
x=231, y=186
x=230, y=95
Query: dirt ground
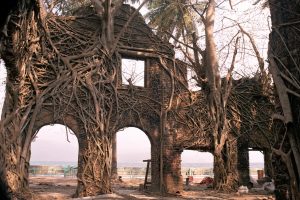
x=48, y=188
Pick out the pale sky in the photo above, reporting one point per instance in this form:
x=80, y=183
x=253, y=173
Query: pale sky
x=51, y=144
x=134, y=70
x=133, y=146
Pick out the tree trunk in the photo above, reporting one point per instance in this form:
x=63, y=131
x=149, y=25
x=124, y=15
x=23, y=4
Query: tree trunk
x=225, y=174
x=16, y=50
x=284, y=66
x=15, y=154
x=225, y=167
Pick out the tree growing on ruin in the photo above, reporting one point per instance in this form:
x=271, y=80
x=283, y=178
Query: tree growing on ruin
x=41, y=70
x=184, y=31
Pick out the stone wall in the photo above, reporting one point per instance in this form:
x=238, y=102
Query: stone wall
x=172, y=117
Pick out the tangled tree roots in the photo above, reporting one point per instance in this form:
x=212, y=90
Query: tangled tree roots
x=62, y=65
x=76, y=76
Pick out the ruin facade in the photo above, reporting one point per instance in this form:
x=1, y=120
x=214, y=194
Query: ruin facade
x=173, y=118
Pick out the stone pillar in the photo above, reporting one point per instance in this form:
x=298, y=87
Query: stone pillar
x=94, y=167
x=243, y=163
x=173, y=183
x=268, y=163
x=114, y=167
x=172, y=172
x=155, y=167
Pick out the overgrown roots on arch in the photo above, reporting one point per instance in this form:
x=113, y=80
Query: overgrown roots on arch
x=69, y=72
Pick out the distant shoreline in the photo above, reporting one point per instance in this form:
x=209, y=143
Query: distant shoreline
x=139, y=165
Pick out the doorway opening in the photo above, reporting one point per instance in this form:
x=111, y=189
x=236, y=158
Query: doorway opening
x=197, y=167
x=256, y=164
x=53, y=161
x=132, y=149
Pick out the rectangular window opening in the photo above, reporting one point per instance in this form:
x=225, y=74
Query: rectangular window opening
x=133, y=72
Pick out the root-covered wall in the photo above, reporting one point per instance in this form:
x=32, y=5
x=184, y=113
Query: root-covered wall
x=59, y=71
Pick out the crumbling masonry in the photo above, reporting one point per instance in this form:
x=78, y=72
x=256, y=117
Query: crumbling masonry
x=173, y=118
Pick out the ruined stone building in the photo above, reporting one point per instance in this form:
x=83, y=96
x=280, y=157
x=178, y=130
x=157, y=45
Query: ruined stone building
x=173, y=118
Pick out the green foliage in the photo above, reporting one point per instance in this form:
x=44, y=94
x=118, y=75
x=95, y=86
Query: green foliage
x=173, y=17
x=67, y=7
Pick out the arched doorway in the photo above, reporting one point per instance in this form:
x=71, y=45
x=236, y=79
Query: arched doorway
x=132, y=148
x=196, y=166
x=53, y=162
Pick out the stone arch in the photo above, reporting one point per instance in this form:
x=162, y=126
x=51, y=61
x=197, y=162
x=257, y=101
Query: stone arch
x=46, y=117
x=143, y=129
x=152, y=136
x=133, y=128
x=56, y=131
x=39, y=126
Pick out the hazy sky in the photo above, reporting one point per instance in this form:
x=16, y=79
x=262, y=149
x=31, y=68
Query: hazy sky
x=51, y=144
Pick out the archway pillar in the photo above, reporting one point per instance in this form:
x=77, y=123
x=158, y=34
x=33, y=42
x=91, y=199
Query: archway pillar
x=155, y=167
x=243, y=162
x=114, y=164
x=94, y=166
x=268, y=163
x=173, y=181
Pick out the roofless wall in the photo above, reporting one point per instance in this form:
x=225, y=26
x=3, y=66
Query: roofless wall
x=60, y=71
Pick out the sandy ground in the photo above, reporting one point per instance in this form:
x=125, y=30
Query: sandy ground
x=48, y=188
